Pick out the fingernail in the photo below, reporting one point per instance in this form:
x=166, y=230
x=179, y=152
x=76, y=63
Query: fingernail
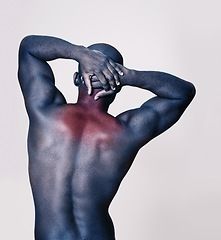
x=113, y=88
x=96, y=98
x=121, y=73
x=118, y=83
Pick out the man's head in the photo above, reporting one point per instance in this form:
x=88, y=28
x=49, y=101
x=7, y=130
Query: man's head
x=111, y=52
x=108, y=50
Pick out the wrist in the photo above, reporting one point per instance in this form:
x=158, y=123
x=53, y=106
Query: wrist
x=127, y=78
x=78, y=53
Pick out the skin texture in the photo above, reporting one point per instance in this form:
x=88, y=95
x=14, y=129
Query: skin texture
x=78, y=153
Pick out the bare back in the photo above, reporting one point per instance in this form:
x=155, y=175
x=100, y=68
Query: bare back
x=78, y=153
x=78, y=157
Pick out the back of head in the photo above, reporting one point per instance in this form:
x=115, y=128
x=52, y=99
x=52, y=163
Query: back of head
x=108, y=50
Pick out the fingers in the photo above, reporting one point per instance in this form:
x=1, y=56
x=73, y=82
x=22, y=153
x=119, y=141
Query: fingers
x=111, y=72
x=116, y=71
x=109, y=78
x=87, y=82
x=104, y=68
x=97, y=84
x=117, y=67
x=103, y=81
x=115, y=75
x=94, y=78
x=103, y=93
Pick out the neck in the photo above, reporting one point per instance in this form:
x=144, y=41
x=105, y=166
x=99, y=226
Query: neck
x=87, y=101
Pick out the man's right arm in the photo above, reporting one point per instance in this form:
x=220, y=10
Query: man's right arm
x=156, y=115
x=36, y=77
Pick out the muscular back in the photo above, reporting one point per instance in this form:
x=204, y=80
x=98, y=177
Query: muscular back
x=77, y=156
x=78, y=153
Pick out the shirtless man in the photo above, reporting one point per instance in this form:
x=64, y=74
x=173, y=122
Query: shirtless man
x=78, y=153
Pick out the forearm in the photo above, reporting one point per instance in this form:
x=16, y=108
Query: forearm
x=49, y=48
x=162, y=84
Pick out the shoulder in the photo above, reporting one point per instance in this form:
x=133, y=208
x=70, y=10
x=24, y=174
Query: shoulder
x=140, y=124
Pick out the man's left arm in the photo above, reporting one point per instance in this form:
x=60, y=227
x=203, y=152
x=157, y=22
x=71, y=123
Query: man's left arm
x=159, y=113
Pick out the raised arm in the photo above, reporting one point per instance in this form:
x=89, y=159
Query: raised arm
x=36, y=77
x=156, y=115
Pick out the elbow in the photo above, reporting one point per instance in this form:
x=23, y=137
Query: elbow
x=189, y=93
x=26, y=42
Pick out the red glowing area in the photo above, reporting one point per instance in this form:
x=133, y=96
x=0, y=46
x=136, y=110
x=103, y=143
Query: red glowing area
x=78, y=123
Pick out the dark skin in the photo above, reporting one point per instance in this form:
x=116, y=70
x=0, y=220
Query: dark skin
x=78, y=153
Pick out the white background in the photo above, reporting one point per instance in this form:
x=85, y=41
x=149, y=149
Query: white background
x=172, y=191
